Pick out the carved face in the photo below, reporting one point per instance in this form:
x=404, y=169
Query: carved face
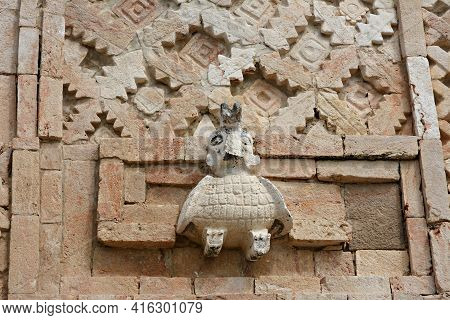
x=260, y=245
x=213, y=241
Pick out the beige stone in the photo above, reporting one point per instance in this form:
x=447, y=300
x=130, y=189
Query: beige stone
x=413, y=285
x=24, y=254
x=352, y=171
x=333, y=263
x=287, y=168
x=51, y=197
x=111, y=189
x=28, y=54
x=25, y=183
x=195, y=149
x=321, y=296
x=375, y=229
x=362, y=296
x=134, y=185
x=418, y=246
x=434, y=181
x=412, y=35
x=162, y=149
x=27, y=106
x=151, y=213
x=79, y=193
x=28, y=13
x=180, y=174
x=31, y=144
x=377, y=147
x=165, y=286
x=126, y=149
x=7, y=107
x=128, y=262
x=4, y=254
x=52, y=45
x=50, y=108
x=4, y=220
x=382, y=263
x=4, y=193
x=9, y=35
x=230, y=285
x=356, y=285
x=440, y=247
x=318, y=213
x=50, y=250
x=99, y=285
x=51, y=156
x=82, y=152
x=410, y=181
x=237, y=296
x=287, y=287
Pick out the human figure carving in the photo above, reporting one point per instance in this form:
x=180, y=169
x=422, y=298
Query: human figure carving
x=232, y=208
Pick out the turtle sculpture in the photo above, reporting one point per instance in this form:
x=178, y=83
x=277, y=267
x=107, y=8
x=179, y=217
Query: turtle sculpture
x=232, y=208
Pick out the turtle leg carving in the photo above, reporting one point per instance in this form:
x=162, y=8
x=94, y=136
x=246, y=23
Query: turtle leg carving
x=213, y=239
x=257, y=244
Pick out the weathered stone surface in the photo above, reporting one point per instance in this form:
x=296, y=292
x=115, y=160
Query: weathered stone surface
x=51, y=197
x=421, y=91
x=7, y=107
x=184, y=174
x=352, y=171
x=162, y=149
x=287, y=287
x=79, y=193
x=382, y=263
x=418, y=246
x=50, y=108
x=28, y=13
x=375, y=229
x=52, y=45
x=4, y=254
x=362, y=296
x=321, y=296
x=123, y=148
x=25, y=183
x=82, y=152
x=24, y=254
x=356, y=285
x=434, y=181
x=50, y=250
x=287, y=168
x=440, y=248
x=28, y=54
x=134, y=185
x=165, y=286
x=128, y=262
x=410, y=181
x=51, y=156
x=31, y=144
x=333, y=263
x=231, y=285
x=4, y=193
x=111, y=188
x=413, y=285
x=27, y=106
x=136, y=235
x=237, y=296
x=318, y=213
x=99, y=285
x=9, y=35
x=151, y=213
x=377, y=147
x=412, y=35
x=4, y=219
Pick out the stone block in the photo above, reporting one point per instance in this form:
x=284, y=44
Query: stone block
x=318, y=213
x=287, y=168
x=162, y=150
x=167, y=195
x=79, y=194
x=24, y=254
x=382, y=263
x=219, y=286
x=111, y=189
x=134, y=185
x=51, y=156
x=356, y=285
x=418, y=246
x=410, y=182
x=287, y=287
x=421, y=91
x=31, y=144
x=128, y=262
x=243, y=296
x=4, y=220
x=100, y=285
x=50, y=258
x=151, y=213
x=52, y=45
x=28, y=13
x=375, y=229
x=381, y=147
x=82, y=152
x=434, y=183
x=440, y=252
x=25, y=183
x=182, y=174
x=27, y=106
x=362, y=296
x=4, y=193
x=413, y=285
x=136, y=235
x=412, y=34
x=28, y=55
x=8, y=105
x=321, y=296
x=9, y=40
x=54, y=6
x=195, y=149
x=307, y=146
x=354, y=171
x=126, y=149
x=51, y=197
x=4, y=254
x=50, y=108
x=166, y=286
x=333, y=263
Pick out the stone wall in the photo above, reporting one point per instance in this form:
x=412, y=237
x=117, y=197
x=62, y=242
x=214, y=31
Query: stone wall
x=107, y=106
